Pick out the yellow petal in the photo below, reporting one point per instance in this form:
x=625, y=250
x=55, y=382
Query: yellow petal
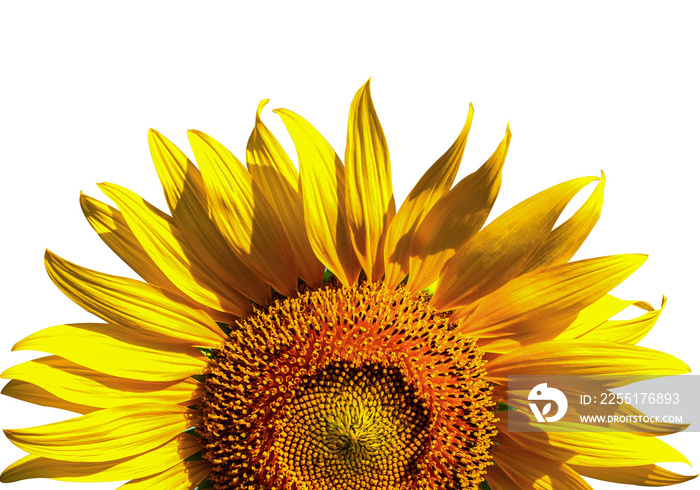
x=566, y=239
x=369, y=196
x=323, y=194
x=598, y=449
x=133, y=304
x=144, y=465
x=184, y=475
x=618, y=362
x=429, y=189
x=530, y=470
x=109, y=434
x=104, y=347
x=503, y=248
x=168, y=249
x=31, y=393
x=112, y=228
x=277, y=178
x=646, y=475
x=595, y=314
x=245, y=218
x=537, y=306
x=498, y=480
x=187, y=200
x=80, y=385
x=627, y=331
x=455, y=219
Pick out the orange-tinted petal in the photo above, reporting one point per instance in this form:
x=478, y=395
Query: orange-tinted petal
x=277, y=178
x=455, y=219
x=429, y=189
x=242, y=213
x=503, y=248
x=537, y=306
x=184, y=192
x=566, y=239
x=168, y=249
x=531, y=470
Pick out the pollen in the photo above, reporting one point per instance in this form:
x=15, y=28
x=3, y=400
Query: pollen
x=347, y=388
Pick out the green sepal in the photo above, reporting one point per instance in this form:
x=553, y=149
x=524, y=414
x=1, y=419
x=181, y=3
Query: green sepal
x=327, y=276
x=205, y=351
x=195, y=457
x=504, y=407
x=403, y=282
x=225, y=327
x=430, y=290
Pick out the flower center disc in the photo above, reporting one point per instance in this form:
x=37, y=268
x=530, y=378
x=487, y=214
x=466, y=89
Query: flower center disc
x=347, y=388
x=354, y=427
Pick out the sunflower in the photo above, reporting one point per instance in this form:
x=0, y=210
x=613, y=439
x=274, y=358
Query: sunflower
x=294, y=331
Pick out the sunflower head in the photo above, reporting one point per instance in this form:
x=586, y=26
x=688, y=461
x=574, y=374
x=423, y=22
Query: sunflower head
x=295, y=331
x=348, y=388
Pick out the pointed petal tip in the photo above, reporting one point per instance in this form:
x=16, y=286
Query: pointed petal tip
x=364, y=90
x=196, y=136
x=261, y=106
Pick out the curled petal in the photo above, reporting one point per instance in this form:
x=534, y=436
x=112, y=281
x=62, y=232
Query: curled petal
x=537, y=306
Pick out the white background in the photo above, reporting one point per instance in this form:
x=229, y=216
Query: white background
x=610, y=86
